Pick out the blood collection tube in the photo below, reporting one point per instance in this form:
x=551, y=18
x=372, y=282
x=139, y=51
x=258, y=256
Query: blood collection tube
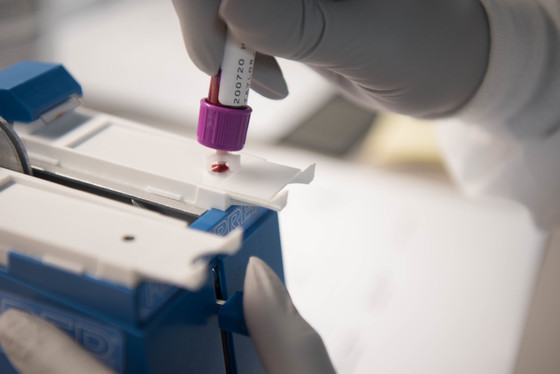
x=224, y=115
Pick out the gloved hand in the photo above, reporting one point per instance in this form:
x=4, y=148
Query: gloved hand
x=35, y=346
x=284, y=341
x=422, y=58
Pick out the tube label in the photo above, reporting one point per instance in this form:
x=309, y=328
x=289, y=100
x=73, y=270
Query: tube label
x=237, y=70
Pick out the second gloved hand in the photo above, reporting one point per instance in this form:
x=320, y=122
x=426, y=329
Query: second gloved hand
x=419, y=57
x=285, y=342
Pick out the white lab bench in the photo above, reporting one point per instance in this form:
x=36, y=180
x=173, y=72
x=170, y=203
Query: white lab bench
x=402, y=275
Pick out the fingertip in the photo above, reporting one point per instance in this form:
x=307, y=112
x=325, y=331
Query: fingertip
x=205, y=53
x=268, y=79
x=254, y=262
x=284, y=341
x=206, y=59
x=5, y=319
x=14, y=324
x=35, y=346
x=256, y=273
x=266, y=301
x=19, y=336
x=13, y=314
x=267, y=92
x=262, y=290
x=260, y=275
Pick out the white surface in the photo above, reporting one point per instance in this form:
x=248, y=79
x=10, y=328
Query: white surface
x=142, y=161
x=406, y=276
x=84, y=233
x=130, y=55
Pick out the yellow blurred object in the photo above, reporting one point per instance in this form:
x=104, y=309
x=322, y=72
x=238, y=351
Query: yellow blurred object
x=400, y=140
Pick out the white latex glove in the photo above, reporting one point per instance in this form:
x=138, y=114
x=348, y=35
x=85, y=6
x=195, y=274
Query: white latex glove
x=284, y=341
x=35, y=346
x=286, y=344
x=419, y=57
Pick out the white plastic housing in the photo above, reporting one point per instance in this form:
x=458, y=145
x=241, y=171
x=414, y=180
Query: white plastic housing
x=154, y=165
x=84, y=233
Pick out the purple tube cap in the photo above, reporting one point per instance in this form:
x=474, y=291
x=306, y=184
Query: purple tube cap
x=222, y=128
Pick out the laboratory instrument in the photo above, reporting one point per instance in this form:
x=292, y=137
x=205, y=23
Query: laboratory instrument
x=117, y=233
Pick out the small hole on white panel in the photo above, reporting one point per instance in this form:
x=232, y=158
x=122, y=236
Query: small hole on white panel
x=128, y=238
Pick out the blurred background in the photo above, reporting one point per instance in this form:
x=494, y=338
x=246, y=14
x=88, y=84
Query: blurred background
x=386, y=258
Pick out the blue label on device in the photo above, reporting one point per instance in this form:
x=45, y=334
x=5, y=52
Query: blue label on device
x=239, y=216
x=105, y=343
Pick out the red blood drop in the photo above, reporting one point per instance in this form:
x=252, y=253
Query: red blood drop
x=219, y=167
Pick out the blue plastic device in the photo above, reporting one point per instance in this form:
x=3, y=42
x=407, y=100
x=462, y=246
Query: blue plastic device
x=153, y=328
x=29, y=88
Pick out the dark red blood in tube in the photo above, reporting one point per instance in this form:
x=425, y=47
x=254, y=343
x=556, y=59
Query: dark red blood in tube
x=214, y=90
